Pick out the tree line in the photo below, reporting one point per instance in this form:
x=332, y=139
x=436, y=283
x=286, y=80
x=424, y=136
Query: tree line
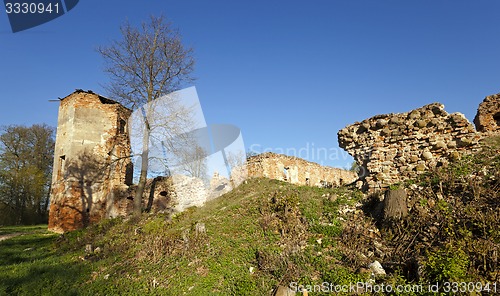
x=26, y=159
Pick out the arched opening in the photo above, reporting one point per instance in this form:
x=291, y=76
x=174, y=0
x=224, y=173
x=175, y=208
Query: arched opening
x=121, y=126
x=496, y=117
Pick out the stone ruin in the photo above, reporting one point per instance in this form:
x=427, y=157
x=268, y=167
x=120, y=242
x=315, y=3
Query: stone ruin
x=297, y=171
x=92, y=176
x=487, y=119
x=91, y=132
x=391, y=148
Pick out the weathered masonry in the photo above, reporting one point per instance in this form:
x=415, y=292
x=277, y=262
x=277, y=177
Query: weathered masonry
x=92, y=176
x=393, y=147
x=90, y=159
x=487, y=119
x=297, y=171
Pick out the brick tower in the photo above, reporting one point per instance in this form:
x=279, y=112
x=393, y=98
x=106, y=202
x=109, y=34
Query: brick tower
x=90, y=160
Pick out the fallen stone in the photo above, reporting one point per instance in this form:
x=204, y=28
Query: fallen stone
x=377, y=268
x=284, y=291
x=200, y=228
x=427, y=155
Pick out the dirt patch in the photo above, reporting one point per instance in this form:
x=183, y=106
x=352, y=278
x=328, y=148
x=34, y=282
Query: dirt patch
x=10, y=235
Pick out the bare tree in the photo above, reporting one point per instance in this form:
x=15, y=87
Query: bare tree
x=193, y=161
x=147, y=63
x=236, y=158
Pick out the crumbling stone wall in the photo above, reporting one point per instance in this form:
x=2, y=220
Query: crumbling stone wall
x=120, y=199
x=188, y=192
x=296, y=170
x=393, y=147
x=220, y=185
x=487, y=119
x=173, y=194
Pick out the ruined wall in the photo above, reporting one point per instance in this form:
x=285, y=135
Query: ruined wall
x=91, y=139
x=487, y=119
x=188, y=192
x=296, y=170
x=393, y=147
x=92, y=176
x=120, y=199
x=174, y=194
x=220, y=185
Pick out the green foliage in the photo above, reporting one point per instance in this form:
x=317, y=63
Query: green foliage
x=329, y=230
x=343, y=276
x=405, y=287
x=355, y=167
x=243, y=286
x=429, y=179
x=463, y=167
x=409, y=182
x=452, y=229
x=26, y=156
x=282, y=202
x=443, y=206
x=449, y=264
x=395, y=186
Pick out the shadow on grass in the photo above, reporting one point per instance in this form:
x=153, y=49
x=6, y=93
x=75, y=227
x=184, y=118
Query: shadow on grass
x=23, y=229
x=21, y=249
x=49, y=279
x=29, y=265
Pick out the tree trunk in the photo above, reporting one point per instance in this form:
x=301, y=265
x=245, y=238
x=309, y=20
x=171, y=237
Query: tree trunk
x=395, y=205
x=85, y=206
x=144, y=172
x=151, y=194
x=45, y=207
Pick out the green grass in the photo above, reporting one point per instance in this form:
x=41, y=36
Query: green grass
x=257, y=237
x=22, y=229
x=29, y=264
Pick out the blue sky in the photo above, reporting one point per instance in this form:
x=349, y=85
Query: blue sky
x=290, y=74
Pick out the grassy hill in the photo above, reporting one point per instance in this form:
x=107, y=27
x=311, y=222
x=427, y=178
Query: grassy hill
x=269, y=233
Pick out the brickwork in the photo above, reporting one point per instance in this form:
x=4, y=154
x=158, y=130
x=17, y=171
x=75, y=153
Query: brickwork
x=90, y=159
x=296, y=170
x=391, y=148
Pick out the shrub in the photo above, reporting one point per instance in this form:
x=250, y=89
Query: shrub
x=447, y=265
